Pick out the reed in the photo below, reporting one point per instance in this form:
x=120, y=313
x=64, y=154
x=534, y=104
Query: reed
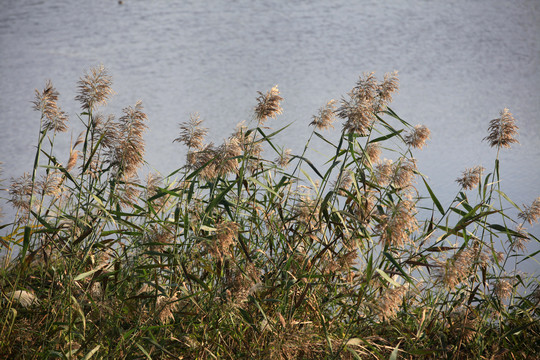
x=236, y=256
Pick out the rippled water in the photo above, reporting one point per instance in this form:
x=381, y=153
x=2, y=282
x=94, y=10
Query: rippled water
x=460, y=63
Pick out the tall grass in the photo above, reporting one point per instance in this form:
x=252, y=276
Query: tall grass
x=251, y=251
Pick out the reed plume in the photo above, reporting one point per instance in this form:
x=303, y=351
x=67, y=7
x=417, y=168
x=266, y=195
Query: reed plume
x=503, y=289
x=107, y=130
x=502, y=131
x=191, y=133
x=21, y=191
x=227, y=155
x=128, y=154
x=470, y=178
x=358, y=114
x=384, y=172
x=268, y=105
x=51, y=184
x=389, y=85
x=365, y=100
x=404, y=173
x=45, y=102
x=418, y=137
x=388, y=304
x=398, y=223
x=284, y=158
x=73, y=156
x=226, y=232
x=372, y=152
x=520, y=240
x=456, y=269
x=94, y=88
x=326, y=116
x=531, y=213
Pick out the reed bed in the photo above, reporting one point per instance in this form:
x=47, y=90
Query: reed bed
x=250, y=251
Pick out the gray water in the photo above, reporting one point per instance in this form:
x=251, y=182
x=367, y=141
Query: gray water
x=460, y=63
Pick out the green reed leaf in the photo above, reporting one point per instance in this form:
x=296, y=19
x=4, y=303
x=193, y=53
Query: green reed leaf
x=395, y=263
x=434, y=198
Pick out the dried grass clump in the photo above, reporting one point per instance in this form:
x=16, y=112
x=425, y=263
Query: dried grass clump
x=24, y=298
x=165, y=308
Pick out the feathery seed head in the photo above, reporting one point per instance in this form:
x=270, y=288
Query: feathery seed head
x=326, y=116
x=307, y=211
x=503, y=289
x=373, y=152
x=470, y=178
x=366, y=99
x=502, y=131
x=227, y=154
x=388, y=87
x=404, y=173
x=54, y=119
x=21, y=192
x=531, y=213
x=108, y=130
x=153, y=183
x=358, y=114
x=226, y=232
x=128, y=154
x=284, y=158
x=383, y=172
x=519, y=242
x=498, y=257
x=456, y=269
x=398, y=223
x=388, y=305
x=366, y=87
x=51, y=184
x=343, y=183
x=128, y=191
x=73, y=156
x=269, y=105
x=417, y=138
x=248, y=145
x=192, y=134
x=94, y=88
